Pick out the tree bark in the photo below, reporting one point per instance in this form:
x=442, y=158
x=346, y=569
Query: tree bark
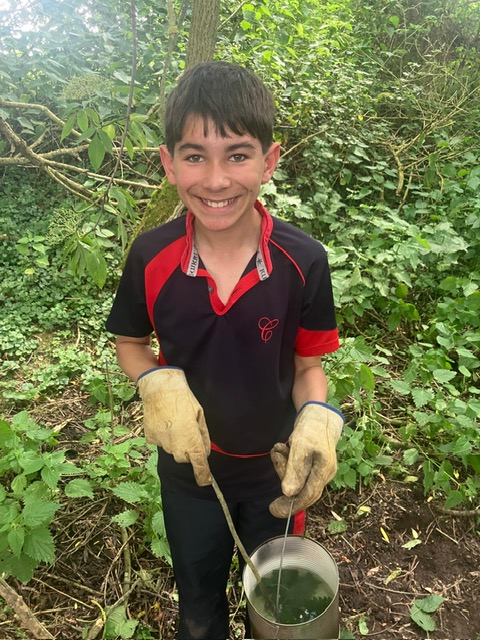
x=203, y=31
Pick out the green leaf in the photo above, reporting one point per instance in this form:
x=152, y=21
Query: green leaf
x=443, y=375
x=454, y=499
x=367, y=379
x=105, y=140
x=82, y=121
x=410, y=456
x=122, y=76
x=37, y=513
x=126, y=518
x=118, y=626
x=474, y=182
x=363, y=626
x=31, y=461
x=422, y=619
x=401, y=387
x=421, y=397
x=39, y=545
x=96, y=152
x=429, y=604
x=51, y=476
x=110, y=130
x=79, y=488
x=97, y=267
x=130, y=492
x=411, y=543
x=16, y=539
x=21, y=568
x=337, y=526
x=161, y=549
x=158, y=523
x=68, y=127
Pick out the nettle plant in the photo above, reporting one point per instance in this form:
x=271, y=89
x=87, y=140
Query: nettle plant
x=31, y=470
x=406, y=280
x=37, y=479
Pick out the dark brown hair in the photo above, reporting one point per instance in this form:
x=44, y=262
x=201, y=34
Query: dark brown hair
x=230, y=96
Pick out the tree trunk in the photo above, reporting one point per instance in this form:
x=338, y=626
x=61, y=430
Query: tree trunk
x=202, y=38
x=203, y=31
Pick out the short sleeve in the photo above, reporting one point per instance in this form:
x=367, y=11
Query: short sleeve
x=318, y=333
x=128, y=315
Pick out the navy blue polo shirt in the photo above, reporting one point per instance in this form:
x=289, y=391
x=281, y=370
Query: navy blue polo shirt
x=238, y=357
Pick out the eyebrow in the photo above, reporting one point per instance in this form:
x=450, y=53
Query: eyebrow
x=191, y=146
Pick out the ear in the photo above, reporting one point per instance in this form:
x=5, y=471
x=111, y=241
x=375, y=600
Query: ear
x=167, y=162
x=271, y=160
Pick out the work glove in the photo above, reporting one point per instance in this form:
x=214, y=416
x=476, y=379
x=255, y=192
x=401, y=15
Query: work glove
x=310, y=460
x=173, y=419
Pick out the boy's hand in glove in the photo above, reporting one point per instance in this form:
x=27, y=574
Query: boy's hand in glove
x=310, y=462
x=173, y=419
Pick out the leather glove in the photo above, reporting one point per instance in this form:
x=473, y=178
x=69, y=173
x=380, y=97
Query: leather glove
x=310, y=462
x=173, y=419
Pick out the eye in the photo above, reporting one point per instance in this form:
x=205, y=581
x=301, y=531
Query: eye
x=238, y=157
x=195, y=158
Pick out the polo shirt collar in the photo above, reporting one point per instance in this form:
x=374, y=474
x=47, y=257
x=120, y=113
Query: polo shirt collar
x=191, y=260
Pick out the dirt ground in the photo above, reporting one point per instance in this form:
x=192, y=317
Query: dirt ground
x=379, y=578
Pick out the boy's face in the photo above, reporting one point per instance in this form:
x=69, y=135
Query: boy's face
x=217, y=178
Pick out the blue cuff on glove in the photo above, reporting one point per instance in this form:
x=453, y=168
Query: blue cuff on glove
x=145, y=373
x=323, y=404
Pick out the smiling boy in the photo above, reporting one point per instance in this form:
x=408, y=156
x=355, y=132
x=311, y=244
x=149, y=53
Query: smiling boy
x=241, y=304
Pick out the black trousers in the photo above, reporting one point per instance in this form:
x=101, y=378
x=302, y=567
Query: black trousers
x=202, y=547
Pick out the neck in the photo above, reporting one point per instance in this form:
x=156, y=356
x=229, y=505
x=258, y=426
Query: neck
x=234, y=239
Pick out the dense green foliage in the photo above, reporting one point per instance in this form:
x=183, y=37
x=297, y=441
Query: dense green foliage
x=378, y=111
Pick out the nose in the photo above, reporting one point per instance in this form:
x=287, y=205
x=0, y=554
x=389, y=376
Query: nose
x=216, y=176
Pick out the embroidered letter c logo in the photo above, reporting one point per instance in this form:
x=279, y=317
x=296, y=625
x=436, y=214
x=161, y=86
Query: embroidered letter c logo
x=266, y=327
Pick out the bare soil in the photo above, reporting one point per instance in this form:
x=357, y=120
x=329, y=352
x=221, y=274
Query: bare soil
x=380, y=579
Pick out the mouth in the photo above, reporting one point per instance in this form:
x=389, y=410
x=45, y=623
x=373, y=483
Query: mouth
x=217, y=204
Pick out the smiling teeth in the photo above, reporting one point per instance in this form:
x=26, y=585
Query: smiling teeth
x=218, y=205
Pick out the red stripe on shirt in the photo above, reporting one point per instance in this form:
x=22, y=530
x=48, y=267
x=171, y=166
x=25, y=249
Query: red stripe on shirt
x=159, y=270
x=316, y=343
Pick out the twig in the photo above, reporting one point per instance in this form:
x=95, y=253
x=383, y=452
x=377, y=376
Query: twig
x=468, y=513
x=311, y=135
x=27, y=618
x=240, y=546
x=127, y=571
